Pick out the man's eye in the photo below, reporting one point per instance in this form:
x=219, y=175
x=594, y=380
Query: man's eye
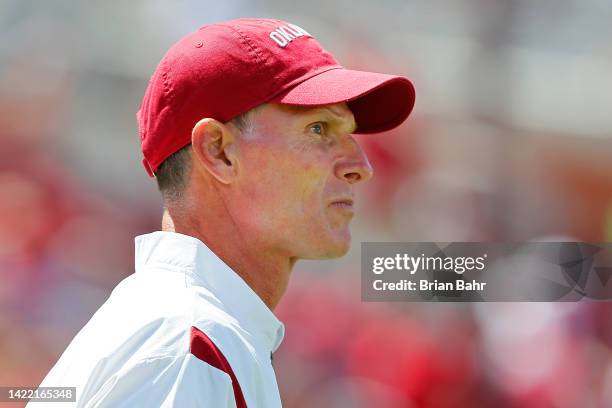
x=318, y=128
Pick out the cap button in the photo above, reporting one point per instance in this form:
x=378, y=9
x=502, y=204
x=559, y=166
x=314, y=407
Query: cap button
x=198, y=44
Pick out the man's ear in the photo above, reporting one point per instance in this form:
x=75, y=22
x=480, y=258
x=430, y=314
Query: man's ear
x=214, y=148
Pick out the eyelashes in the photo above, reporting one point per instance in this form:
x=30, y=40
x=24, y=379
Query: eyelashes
x=318, y=128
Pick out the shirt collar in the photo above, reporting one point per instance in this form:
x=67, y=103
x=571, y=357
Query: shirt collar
x=191, y=256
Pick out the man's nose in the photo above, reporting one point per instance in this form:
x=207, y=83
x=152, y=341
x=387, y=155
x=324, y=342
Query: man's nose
x=354, y=167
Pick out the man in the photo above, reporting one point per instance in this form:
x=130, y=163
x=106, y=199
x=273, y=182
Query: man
x=247, y=126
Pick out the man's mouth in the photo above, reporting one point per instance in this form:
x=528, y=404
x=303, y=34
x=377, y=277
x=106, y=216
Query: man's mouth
x=343, y=204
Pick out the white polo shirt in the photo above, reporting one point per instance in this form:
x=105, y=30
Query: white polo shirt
x=183, y=331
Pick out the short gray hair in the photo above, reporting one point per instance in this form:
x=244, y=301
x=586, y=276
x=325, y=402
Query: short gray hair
x=172, y=174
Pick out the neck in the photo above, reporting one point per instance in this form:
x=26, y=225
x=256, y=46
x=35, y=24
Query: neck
x=266, y=272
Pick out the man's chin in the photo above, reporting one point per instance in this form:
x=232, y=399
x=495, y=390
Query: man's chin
x=336, y=247
x=338, y=252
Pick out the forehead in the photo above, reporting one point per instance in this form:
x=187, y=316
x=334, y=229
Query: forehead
x=339, y=111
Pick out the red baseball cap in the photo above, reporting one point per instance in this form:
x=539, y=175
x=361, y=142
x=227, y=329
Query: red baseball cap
x=225, y=69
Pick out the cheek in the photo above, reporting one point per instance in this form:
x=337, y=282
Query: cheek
x=284, y=181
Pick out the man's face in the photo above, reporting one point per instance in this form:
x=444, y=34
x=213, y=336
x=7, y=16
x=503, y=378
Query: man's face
x=296, y=176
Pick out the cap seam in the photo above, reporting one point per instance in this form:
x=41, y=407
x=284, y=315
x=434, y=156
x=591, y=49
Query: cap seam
x=169, y=105
x=168, y=91
x=251, y=47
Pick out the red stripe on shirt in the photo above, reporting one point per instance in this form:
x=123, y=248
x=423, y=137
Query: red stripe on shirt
x=203, y=348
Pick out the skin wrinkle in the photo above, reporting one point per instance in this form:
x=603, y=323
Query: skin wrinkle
x=302, y=201
x=264, y=201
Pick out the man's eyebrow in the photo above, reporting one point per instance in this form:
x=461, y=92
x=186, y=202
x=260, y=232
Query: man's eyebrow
x=337, y=118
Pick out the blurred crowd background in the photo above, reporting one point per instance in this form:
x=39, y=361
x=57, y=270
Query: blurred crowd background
x=510, y=140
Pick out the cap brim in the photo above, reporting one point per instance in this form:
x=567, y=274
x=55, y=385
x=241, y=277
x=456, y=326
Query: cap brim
x=379, y=102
